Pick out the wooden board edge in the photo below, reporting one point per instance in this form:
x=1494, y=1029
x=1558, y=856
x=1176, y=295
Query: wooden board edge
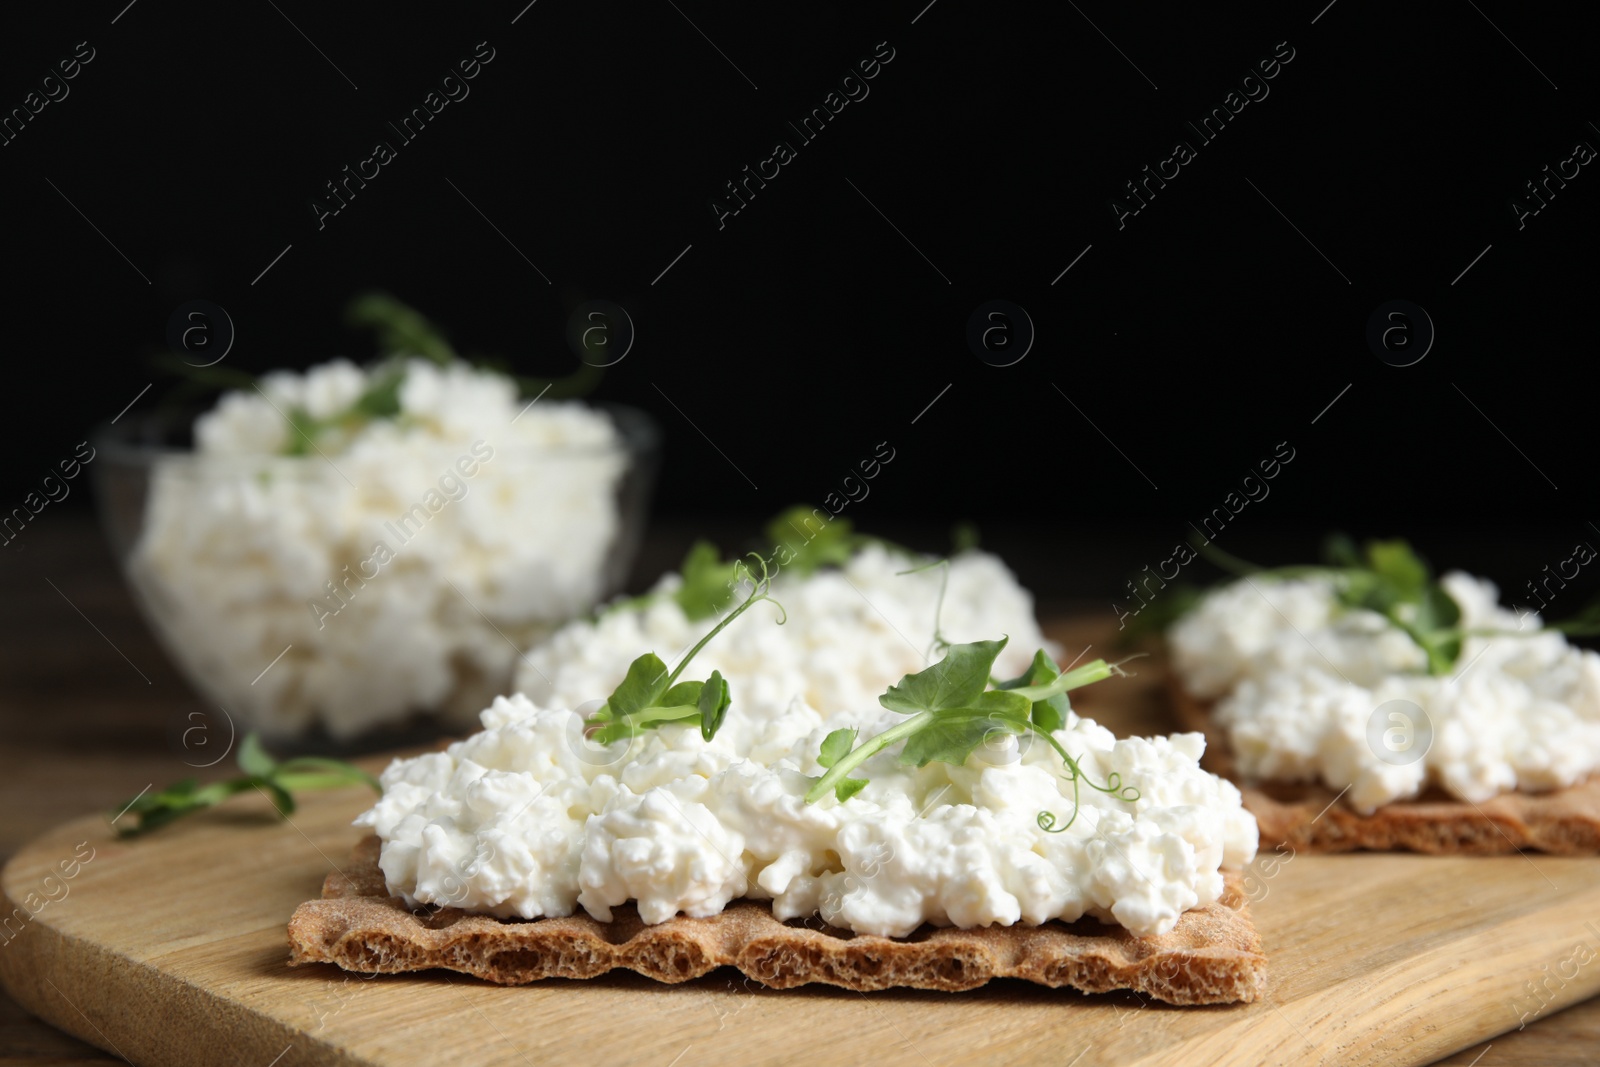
x=1404, y=1024
x=193, y=1023
x=49, y=974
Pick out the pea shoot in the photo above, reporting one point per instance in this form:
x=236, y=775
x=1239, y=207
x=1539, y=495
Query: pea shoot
x=650, y=696
x=951, y=710
x=1390, y=579
x=261, y=773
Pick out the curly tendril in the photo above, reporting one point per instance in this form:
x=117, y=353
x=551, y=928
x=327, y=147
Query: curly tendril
x=1047, y=821
x=1113, y=786
x=762, y=587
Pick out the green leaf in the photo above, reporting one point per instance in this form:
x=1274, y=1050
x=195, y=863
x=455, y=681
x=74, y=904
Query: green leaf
x=649, y=695
x=816, y=542
x=707, y=581
x=276, y=793
x=253, y=759
x=1437, y=610
x=1049, y=714
x=842, y=788
x=1361, y=588
x=303, y=430
x=835, y=746
x=1000, y=704
x=1388, y=577
x=1435, y=626
x=176, y=793
x=963, y=538
x=1397, y=564
x=713, y=704
x=953, y=735
x=681, y=695
x=1402, y=588
x=381, y=400
x=153, y=820
x=845, y=788
x=955, y=681
x=279, y=781
x=401, y=330
x=636, y=724
x=1443, y=654
x=643, y=687
x=1442, y=647
x=704, y=701
x=950, y=713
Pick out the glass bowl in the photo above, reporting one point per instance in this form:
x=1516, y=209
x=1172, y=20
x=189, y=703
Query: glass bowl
x=386, y=595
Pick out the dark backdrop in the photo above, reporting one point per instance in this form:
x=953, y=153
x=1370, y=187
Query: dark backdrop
x=1380, y=162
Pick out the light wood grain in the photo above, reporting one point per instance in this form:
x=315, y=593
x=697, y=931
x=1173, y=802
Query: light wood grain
x=171, y=947
x=82, y=730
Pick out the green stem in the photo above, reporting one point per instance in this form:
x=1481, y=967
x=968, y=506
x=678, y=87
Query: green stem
x=217, y=792
x=865, y=751
x=1097, y=671
x=656, y=713
x=939, y=644
x=1225, y=560
x=1243, y=568
x=1075, y=772
x=1047, y=820
x=331, y=767
x=616, y=731
x=755, y=598
x=296, y=781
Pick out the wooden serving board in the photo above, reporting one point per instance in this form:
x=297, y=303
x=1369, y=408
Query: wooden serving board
x=171, y=950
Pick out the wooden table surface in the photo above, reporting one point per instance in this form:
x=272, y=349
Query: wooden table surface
x=91, y=712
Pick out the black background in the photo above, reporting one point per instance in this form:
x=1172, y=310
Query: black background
x=809, y=329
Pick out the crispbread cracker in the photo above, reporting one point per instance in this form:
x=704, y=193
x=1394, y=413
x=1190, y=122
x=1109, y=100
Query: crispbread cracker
x=1213, y=955
x=1304, y=815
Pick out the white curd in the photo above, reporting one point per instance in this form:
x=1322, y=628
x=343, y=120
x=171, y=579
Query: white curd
x=1297, y=678
x=527, y=819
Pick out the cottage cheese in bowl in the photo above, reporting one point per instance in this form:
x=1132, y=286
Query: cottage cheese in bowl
x=330, y=557
x=526, y=818
x=1297, y=680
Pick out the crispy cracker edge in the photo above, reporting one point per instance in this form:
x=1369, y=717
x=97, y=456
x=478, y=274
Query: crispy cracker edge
x=1212, y=956
x=1304, y=815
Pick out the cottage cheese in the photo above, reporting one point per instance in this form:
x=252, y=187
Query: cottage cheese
x=246, y=552
x=1297, y=678
x=852, y=632
x=528, y=819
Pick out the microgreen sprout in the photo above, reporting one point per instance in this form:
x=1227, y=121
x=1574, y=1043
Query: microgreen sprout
x=1390, y=579
x=403, y=333
x=279, y=781
x=951, y=711
x=649, y=695
x=707, y=581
